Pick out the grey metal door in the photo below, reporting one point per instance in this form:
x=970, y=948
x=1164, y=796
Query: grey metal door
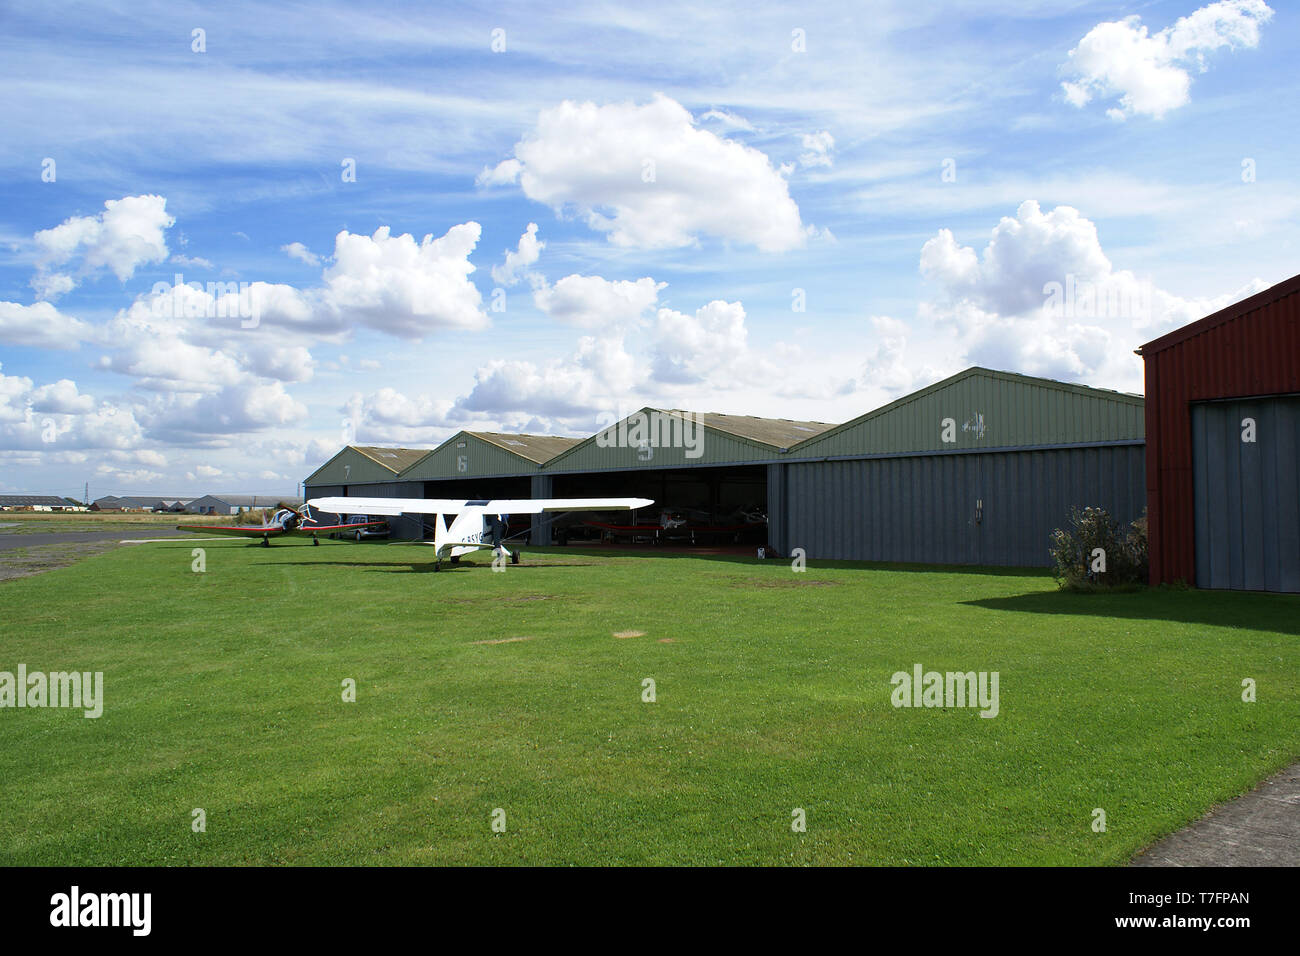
x=1247, y=494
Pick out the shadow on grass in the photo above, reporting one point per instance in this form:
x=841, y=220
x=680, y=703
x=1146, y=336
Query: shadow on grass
x=416, y=567
x=748, y=557
x=1254, y=611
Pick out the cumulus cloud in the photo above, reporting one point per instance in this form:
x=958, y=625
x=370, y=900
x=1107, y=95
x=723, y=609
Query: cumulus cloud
x=296, y=250
x=1044, y=298
x=407, y=289
x=1148, y=72
x=518, y=261
x=56, y=419
x=593, y=302
x=130, y=232
x=649, y=177
x=697, y=348
x=40, y=325
x=61, y=397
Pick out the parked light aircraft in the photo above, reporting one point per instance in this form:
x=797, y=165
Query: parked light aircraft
x=285, y=521
x=478, y=523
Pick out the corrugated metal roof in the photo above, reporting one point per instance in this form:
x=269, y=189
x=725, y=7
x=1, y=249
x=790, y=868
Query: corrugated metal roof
x=777, y=432
x=487, y=455
x=986, y=409
x=675, y=438
x=357, y=464
x=395, y=460
x=535, y=448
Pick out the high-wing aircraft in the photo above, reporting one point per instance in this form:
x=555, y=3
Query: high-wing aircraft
x=478, y=523
x=285, y=521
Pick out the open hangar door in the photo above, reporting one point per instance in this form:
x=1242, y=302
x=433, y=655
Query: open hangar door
x=1246, y=493
x=473, y=489
x=701, y=507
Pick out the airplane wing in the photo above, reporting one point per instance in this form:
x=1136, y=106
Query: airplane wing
x=446, y=506
x=316, y=528
x=236, y=531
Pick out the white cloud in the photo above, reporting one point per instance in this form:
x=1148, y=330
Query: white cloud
x=62, y=397
x=296, y=250
x=40, y=325
x=1149, y=71
x=592, y=302
x=649, y=177
x=130, y=232
x=728, y=121
x=1044, y=298
x=196, y=261
x=886, y=367
x=518, y=261
x=711, y=345
x=818, y=148
x=393, y=284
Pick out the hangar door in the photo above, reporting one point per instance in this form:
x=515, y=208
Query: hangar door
x=1246, y=476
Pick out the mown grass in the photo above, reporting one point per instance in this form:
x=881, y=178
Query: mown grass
x=53, y=522
x=223, y=692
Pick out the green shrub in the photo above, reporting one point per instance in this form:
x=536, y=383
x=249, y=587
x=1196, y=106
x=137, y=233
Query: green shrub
x=1074, y=550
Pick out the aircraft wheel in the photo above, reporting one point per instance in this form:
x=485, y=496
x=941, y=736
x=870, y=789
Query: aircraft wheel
x=514, y=558
x=437, y=566
x=358, y=535
x=455, y=559
x=266, y=542
x=315, y=542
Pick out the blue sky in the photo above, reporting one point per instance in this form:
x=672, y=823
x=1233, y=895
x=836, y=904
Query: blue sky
x=713, y=207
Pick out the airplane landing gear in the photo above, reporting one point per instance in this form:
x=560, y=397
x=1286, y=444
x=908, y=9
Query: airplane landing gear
x=514, y=558
x=437, y=566
x=266, y=542
x=315, y=542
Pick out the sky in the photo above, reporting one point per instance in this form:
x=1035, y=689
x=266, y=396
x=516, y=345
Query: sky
x=235, y=237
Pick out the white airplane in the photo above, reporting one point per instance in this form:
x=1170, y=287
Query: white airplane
x=477, y=523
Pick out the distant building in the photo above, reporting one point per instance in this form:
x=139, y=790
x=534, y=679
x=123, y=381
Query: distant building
x=38, y=503
x=139, y=503
x=232, y=504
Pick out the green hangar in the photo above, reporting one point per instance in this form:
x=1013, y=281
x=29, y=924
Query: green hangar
x=976, y=469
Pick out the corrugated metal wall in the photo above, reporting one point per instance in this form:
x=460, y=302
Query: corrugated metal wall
x=988, y=410
x=1249, y=349
x=1247, y=495
x=965, y=508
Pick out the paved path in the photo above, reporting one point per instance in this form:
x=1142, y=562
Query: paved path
x=10, y=541
x=1261, y=828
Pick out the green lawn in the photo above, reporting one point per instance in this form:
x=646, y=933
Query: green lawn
x=223, y=692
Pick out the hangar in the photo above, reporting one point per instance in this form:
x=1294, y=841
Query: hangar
x=485, y=465
x=708, y=470
x=1223, y=448
x=976, y=469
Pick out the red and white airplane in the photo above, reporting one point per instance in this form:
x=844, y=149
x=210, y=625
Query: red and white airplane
x=283, y=522
x=475, y=524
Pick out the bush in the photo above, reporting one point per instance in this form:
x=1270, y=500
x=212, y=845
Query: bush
x=1123, y=551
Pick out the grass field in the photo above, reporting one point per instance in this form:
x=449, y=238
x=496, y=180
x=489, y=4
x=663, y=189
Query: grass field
x=478, y=691
x=42, y=522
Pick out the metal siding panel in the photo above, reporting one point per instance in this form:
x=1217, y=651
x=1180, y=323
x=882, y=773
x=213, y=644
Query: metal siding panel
x=1246, y=495
x=1255, y=353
